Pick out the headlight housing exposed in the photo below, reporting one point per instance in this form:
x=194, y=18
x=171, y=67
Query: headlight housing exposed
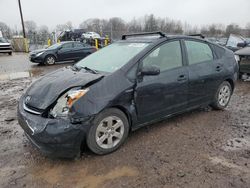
x=237, y=58
x=40, y=53
x=65, y=102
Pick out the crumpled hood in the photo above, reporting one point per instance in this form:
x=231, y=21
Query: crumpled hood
x=46, y=90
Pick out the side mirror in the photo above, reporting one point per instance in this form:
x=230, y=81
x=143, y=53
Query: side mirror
x=150, y=71
x=241, y=44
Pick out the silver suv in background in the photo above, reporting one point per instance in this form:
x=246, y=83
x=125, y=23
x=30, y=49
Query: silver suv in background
x=5, y=46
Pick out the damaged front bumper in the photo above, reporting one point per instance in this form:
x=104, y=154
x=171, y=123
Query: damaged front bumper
x=36, y=59
x=54, y=137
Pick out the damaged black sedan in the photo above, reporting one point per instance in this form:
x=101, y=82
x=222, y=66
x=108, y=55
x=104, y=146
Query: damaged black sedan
x=136, y=81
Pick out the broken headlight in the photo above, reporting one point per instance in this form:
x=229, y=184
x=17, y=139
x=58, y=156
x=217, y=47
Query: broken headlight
x=65, y=102
x=237, y=58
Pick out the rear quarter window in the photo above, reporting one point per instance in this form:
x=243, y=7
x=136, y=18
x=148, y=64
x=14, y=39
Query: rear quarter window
x=219, y=51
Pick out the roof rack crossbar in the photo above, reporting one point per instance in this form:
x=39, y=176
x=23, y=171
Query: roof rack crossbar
x=197, y=35
x=143, y=34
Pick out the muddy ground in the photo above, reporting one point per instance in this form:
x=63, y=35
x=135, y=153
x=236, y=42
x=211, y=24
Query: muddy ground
x=203, y=148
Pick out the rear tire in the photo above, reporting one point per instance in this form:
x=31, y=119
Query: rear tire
x=222, y=96
x=50, y=60
x=10, y=53
x=108, y=132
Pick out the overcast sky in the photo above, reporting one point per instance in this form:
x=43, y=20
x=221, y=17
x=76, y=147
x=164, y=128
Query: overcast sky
x=195, y=12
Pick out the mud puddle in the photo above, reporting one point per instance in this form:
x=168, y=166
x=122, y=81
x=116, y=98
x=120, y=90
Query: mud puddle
x=78, y=175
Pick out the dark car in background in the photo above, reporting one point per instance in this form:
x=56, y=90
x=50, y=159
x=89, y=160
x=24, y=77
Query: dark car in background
x=241, y=47
x=138, y=80
x=64, y=51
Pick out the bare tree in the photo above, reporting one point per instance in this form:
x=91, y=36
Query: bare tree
x=30, y=26
x=43, y=34
x=150, y=23
x=248, y=29
x=134, y=26
x=64, y=27
x=232, y=28
x=117, y=27
x=93, y=24
x=6, y=31
x=69, y=25
x=31, y=31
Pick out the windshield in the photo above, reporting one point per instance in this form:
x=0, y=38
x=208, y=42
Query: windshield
x=3, y=40
x=54, y=46
x=112, y=57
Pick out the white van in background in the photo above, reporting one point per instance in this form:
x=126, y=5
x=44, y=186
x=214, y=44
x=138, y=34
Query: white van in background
x=5, y=46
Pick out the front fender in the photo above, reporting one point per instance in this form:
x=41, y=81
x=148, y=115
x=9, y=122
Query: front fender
x=111, y=91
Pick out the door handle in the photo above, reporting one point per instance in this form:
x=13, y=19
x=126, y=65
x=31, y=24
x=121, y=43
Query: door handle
x=182, y=78
x=218, y=68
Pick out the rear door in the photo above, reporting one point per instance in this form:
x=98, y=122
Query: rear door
x=80, y=50
x=166, y=93
x=204, y=72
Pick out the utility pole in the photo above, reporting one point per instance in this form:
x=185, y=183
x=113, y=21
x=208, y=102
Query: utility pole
x=26, y=48
x=21, y=14
x=111, y=31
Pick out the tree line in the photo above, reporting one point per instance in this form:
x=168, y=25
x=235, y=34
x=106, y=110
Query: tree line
x=115, y=27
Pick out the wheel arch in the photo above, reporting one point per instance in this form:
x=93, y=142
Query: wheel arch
x=50, y=55
x=126, y=112
x=231, y=82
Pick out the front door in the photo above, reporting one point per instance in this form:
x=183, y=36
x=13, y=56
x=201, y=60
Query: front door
x=66, y=52
x=166, y=93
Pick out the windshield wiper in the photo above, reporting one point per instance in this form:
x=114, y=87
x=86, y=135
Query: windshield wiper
x=90, y=70
x=78, y=68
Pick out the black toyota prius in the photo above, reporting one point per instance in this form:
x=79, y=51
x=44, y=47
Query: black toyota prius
x=138, y=80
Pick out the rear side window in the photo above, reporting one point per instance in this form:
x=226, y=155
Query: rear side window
x=166, y=57
x=67, y=45
x=219, y=51
x=198, y=52
x=78, y=45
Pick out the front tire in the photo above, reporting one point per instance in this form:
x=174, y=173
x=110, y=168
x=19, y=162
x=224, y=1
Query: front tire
x=50, y=60
x=10, y=53
x=109, y=131
x=222, y=96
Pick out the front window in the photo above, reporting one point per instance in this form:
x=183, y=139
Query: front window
x=112, y=57
x=166, y=57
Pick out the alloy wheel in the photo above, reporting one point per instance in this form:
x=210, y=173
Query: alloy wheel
x=50, y=60
x=109, y=132
x=224, y=95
